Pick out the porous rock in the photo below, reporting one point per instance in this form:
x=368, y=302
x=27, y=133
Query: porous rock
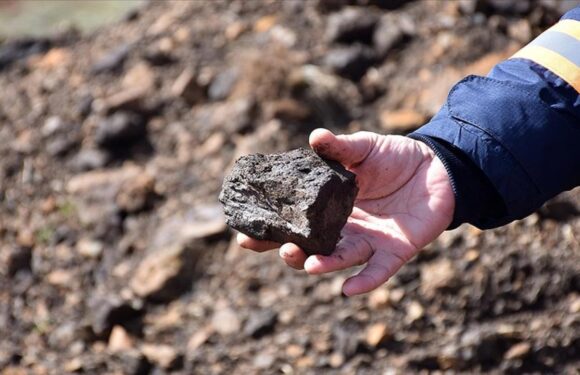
x=290, y=197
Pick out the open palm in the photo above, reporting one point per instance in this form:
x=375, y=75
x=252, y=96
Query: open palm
x=405, y=201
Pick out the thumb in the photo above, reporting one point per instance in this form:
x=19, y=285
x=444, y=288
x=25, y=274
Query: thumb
x=349, y=150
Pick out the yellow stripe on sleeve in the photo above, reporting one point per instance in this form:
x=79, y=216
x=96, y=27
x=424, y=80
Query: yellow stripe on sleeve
x=570, y=27
x=554, y=62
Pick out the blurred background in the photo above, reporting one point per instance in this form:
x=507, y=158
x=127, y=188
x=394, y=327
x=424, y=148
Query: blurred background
x=118, y=120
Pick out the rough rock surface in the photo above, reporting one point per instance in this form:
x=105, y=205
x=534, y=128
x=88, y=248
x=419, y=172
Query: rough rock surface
x=290, y=197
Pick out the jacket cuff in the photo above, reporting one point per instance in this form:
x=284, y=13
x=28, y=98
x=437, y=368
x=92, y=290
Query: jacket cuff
x=476, y=200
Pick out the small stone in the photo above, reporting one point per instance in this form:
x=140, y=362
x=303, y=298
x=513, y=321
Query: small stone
x=52, y=125
x=261, y=323
x=61, y=146
x=89, y=159
x=222, y=84
x=231, y=117
x=264, y=360
x=17, y=259
x=379, y=298
x=163, y=356
x=73, y=365
x=140, y=77
x=89, y=248
x=575, y=306
x=436, y=276
x=199, y=338
x=120, y=130
x=290, y=197
x=518, y=351
x=351, y=62
x=403, y=120
x=187, y=87
x=25, y=238
x=265, y=23
x=136, y=194
x=234, y=30
x=294, y=351
x=396, y=295
x=112, y=61
x=107, y=311
x=336, y=360
x=387, y=36
x=351, y=25
x=226, y=322
x=119, y=340
x=415, y=311
x=165, y=273
x=377, y=334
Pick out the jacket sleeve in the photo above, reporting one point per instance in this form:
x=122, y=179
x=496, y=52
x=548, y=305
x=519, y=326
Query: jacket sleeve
x=511, y=141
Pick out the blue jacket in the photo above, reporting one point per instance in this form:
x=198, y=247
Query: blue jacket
x=511, y=141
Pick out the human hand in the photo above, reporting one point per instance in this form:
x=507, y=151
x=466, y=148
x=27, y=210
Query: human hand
x=405, y=201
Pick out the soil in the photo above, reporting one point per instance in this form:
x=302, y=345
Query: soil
x=115, y=257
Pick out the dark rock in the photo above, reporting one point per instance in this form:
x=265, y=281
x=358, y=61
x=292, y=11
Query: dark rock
x=15, y=50
x=351, y=25
x=261, y=323
x=290, y=197
x=222, y=84
x=158, y=58
x=387, y=36
x=231, y=117
x=347, y=337
x=61, y=146
x=112, y=62
x=559, y=210
x=107, y=311
x=130, y=362
x=187, y=87
x=351, y=62
x=120, y=129
x=19, y=259
x=89, y=159
x=85, y=105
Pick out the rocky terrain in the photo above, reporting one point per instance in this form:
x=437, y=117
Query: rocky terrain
x=114, y=253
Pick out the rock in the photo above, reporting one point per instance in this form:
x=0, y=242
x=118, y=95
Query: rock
x=53, y=125
x=265, y=23
x=158, y=57
x=89, y=159
x=62, y=145
x=518, y=351
x=130, y=99
x=130, y=362
x=120, y=130
x=137, y=194
x=346, y=337
x=199, y=338
x=16, y=259
x=290, y=197
x=351, y=62
x=187, y=87
x=415, y=311
x=204, y=221
x=261, y=323
x=264, y=361
x=18, y=49
x=163, y=356
x=222, y=84
x=387, y=36
x=378, y=298
x=89, y=248
x=403, y=120
x=377, y=334
x=225, y=321
x=109, y=310
x=351, y=25
x=232, y=117
x=139, y=77
x=119, y=340
x=96, y=192
x=112, y=62
x=437, y=276
x=165, y=273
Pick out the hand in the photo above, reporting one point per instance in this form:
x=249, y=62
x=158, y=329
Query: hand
x=404, y=202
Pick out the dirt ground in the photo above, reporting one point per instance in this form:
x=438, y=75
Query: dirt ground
x=114, y=255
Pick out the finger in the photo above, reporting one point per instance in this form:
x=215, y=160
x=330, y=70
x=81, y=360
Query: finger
x=254, y=244
x=349, y=150
x=351, y=251
x=293, y=255
x=381, y=267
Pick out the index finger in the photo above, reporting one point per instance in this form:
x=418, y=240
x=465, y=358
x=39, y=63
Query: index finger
x=257, y=245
